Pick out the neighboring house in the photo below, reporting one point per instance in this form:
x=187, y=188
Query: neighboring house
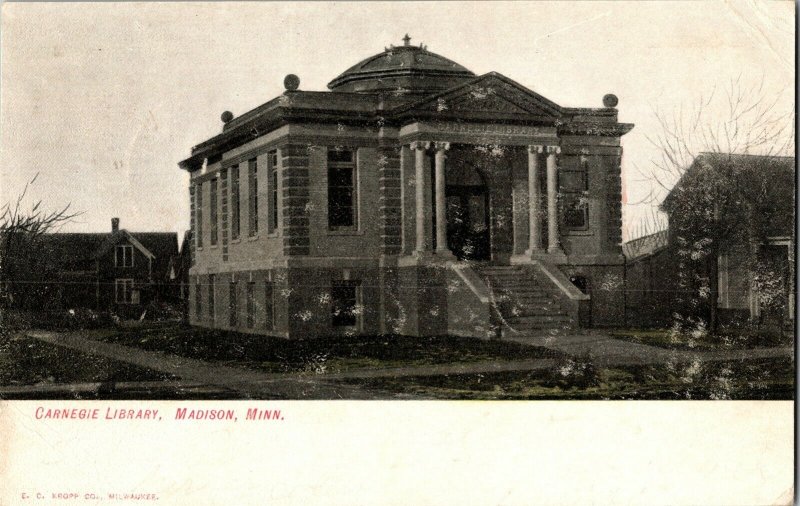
x=414, y=197
x=120, y=271
x=731, y=234
x=649, y=280
x=179, y=268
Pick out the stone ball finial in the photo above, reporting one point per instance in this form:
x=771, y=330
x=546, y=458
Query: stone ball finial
x=291, y=82
x=226, y=116
x=610, y=100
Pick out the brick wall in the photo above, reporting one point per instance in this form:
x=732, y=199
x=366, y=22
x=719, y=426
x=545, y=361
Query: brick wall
x=390, y=204
x=295, y=198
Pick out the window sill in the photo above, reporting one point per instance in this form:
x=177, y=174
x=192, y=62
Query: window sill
x=579, y=232
x=252, y=237
x=346, y=232
x=236, y=241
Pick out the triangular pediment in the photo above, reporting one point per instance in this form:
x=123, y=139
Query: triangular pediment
x=488, y=94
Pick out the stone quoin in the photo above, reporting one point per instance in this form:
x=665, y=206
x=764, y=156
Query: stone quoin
x=414, y=197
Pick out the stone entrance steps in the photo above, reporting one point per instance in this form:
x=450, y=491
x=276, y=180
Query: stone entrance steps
x=525, y=307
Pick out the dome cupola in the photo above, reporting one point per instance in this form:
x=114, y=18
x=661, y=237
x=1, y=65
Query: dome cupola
x=402, y=69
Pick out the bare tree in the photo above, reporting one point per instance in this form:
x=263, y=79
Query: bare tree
x=739, y=119
x=22, y=263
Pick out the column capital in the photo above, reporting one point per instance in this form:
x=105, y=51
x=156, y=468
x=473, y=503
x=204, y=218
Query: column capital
x=553, y=150
x=441, y=146
x=535, y=148
x=421, y=145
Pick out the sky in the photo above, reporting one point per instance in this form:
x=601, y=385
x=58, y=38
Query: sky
x=103, y=100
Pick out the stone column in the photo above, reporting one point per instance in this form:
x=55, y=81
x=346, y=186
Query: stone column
x=419, y=149
x=534, y=200
x=553, y=245
x=441, y=210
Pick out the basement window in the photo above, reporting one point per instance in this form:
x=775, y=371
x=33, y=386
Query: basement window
x=345, y=303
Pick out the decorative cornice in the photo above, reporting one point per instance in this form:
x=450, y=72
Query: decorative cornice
x=609, y=129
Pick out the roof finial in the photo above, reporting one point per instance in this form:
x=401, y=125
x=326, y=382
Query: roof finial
x=406, y=40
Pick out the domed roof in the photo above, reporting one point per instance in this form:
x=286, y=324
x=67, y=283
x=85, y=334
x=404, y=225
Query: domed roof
x=403, y=68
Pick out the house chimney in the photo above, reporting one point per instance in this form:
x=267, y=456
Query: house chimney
x=114, y=225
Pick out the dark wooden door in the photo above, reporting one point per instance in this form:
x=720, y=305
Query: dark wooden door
x=468, y=222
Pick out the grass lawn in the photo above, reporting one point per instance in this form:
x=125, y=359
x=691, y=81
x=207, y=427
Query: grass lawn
x=754, y=379
x=666, y=338
x=26, y=361
x=317, y=355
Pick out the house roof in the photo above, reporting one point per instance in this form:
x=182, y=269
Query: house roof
x=647, y=245
x=72, y=248
x=712, y=161
x=78, y=248
x=752, y=194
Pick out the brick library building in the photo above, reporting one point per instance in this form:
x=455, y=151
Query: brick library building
x=414, y=197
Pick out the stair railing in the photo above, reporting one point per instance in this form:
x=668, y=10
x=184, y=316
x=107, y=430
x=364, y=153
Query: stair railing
x=494, y=304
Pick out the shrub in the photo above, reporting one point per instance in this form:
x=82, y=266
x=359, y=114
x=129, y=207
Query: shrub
x=574, y=372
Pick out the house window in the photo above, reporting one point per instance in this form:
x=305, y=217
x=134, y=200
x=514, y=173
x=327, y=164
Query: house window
x=199, y=217
x=574, y=189
x=251, y=288
x=345, y=303
x=342, y=190
x=269, y=305
x=123, y=291
x=124, y=256
x=272, y=168
x=233, y=307
x=192, y=209
x=211, y=287
x=213, y=213
x=252, y=197
x=235, y=207
x=198, y=299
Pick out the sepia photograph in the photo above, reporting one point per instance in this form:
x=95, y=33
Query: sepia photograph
x=283, y=201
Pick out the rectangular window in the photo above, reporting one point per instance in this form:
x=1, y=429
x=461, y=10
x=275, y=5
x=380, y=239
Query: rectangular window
x=123, y=291
x=124, y=256
x=199, y=216
x=213, y=213
x=342, y=190
x=252, y=197
x=198, y=299
x=574, y=188
x=233, y=306
x=269, y=305
x=344, y=303
x=211, y=289
x=272, y=167
x=251, y=310
x=235, y=208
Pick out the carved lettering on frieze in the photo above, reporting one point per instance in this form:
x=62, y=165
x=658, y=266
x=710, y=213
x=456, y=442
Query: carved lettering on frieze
x=477, y=128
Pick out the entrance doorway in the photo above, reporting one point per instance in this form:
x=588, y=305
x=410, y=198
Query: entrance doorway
x=468, y=221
